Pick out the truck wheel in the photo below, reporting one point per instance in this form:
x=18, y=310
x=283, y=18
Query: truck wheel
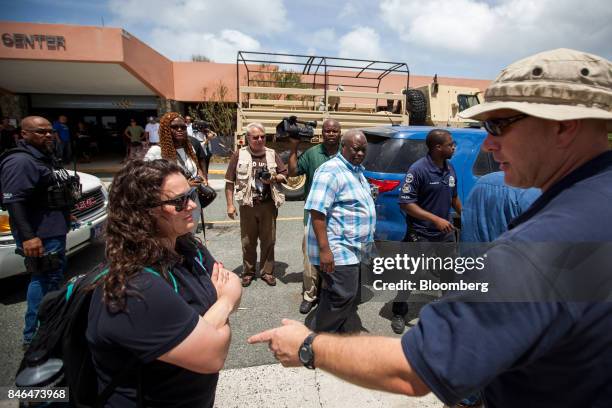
x=417, y=107
x=294, y=188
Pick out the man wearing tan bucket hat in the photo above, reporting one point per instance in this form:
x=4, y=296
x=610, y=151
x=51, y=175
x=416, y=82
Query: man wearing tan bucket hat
x=546, y=341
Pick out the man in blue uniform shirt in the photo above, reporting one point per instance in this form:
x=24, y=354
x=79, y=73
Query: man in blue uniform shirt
x=429, y=190
x=63, y=146
x=547, y=118
x=39, y=231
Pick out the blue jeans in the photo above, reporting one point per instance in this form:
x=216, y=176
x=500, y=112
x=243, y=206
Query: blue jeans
x=40, y=284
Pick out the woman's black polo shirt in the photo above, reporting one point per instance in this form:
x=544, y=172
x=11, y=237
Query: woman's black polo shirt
x=152, y=326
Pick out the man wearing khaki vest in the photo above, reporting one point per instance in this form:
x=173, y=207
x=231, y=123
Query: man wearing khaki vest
x=252, y=178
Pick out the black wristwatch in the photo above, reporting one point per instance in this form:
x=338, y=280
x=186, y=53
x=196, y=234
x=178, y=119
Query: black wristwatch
x=306, y=353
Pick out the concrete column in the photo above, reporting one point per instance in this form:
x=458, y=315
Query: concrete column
x=169, y=105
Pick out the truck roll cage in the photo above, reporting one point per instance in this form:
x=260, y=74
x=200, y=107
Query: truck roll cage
x=276, y=85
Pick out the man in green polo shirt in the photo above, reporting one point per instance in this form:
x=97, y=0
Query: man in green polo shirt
x=307, y=164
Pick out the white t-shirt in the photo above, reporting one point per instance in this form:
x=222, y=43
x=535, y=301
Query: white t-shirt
x=189, y=166
x=153, y=130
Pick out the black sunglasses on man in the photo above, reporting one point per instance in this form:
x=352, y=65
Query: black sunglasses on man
x=496, y=126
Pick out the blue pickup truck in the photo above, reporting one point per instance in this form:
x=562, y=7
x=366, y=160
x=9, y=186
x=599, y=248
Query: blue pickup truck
x=391, y=151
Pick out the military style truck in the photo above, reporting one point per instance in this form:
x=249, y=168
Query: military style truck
x=442, y=104
x=357, y=93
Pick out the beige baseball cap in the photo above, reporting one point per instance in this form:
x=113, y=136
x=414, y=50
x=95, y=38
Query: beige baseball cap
x=560, y=84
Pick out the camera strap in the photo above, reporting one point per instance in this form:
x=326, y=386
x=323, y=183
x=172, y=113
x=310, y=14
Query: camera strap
x=184, y=165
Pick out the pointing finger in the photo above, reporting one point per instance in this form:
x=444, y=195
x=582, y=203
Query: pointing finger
x=261, y=337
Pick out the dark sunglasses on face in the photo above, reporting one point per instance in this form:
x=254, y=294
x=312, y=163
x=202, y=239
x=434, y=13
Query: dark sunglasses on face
x=177, y=127
x=496, y=127
x=182, y=201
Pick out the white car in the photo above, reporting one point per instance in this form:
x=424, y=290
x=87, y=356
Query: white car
x=90, y=212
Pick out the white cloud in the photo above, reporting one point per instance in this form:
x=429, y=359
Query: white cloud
x=216, y=29
x=322, y=38
x=362, y=43
x=349, y=10
x=505, y=27
x=249, y=16
x=182, y=45
x=311, y=42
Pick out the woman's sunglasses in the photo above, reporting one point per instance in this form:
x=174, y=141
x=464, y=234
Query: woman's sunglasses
x=182, y=201
x=496, y=126
x=177, y=127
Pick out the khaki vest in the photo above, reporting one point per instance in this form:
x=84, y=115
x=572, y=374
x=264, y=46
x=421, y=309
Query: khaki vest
x=243, y=187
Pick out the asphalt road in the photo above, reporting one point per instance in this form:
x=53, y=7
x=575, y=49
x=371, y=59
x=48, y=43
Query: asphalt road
x=262, y=306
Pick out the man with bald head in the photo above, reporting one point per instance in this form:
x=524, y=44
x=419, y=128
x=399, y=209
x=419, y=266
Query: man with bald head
x=26, y=172
x=306, y=165
x=342, y=220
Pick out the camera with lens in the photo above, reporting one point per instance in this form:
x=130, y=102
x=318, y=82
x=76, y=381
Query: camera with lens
x=65, y=192
x=200, y=126
x=296, y=129
x=264, y=173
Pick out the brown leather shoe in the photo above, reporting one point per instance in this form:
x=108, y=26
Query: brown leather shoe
x=269, y=279
x=246, y=280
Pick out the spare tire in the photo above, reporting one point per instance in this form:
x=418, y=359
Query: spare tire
x=417, y=107
x=294, y=189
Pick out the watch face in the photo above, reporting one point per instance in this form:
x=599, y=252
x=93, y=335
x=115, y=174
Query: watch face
x=305, y=355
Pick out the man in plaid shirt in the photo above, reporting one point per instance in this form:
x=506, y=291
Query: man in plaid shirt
x=342, y=221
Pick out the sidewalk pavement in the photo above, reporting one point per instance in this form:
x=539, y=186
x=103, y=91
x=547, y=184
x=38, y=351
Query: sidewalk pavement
x=275, y=386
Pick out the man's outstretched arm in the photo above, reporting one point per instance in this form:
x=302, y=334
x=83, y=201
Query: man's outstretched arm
x=373, y=362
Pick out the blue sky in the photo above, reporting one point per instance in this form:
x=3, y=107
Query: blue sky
x=461, y=38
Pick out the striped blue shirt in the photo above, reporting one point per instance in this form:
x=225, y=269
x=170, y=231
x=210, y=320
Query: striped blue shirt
x=341, y=192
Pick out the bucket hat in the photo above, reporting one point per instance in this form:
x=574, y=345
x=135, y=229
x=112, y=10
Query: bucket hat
x=561, y=84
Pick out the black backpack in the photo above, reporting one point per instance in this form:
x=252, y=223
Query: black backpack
x=59, y=355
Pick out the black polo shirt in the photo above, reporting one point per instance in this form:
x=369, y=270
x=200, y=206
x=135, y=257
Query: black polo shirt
x=554, y=353
x=433, y=189
x=25, y=179
x=155, y=323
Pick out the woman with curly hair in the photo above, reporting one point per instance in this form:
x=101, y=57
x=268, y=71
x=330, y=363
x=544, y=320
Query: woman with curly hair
x=177, y=146
x=158, y=320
